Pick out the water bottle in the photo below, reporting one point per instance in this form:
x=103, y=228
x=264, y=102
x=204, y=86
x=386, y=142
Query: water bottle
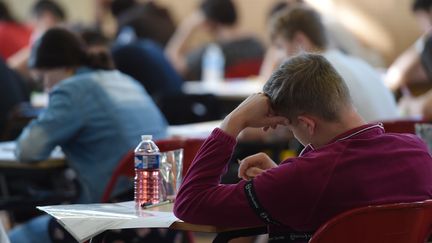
x=148, y=182
x=213, y=64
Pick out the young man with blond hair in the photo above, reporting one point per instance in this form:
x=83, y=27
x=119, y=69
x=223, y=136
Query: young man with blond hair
x=346, y=163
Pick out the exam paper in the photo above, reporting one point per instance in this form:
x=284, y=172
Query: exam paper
x=84, y=221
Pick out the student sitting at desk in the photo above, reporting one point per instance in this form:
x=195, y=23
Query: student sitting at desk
x=300, y=29
x=219, y=18
x=95, y=113
x=346, y=163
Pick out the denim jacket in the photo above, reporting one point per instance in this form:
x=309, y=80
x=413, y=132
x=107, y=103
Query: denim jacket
x=96, y=117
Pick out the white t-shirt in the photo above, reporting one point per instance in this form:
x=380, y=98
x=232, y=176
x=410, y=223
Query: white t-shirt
x=372, y=99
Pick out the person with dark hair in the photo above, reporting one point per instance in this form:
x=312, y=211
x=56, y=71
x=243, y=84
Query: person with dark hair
x=42, y=7
x=13, y=35
x=219, y=17
x=346, y=163
x=46, y=14
x=95, y=114
x=146, y=20
x=145, y=61
x=97, y=45
x=300, y=29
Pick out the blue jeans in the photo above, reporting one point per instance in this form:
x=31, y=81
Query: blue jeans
x=33, y=231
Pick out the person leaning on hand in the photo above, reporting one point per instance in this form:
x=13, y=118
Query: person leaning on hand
x=346, y=163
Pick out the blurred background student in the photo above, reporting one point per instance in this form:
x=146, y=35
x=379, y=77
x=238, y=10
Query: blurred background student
x=300, y=29
x=219, y=18
x=414, y=67
x=143, y=20
x=13, y=35
x=92, y=109
x=337, y=35
x=408, y=68
x=45, y=14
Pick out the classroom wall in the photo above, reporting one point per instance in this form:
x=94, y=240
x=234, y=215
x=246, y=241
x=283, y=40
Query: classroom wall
x=386, y=25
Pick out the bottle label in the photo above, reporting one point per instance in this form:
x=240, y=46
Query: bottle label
x=147, y=161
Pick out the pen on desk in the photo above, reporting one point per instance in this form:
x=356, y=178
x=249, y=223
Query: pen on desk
x=150, y=205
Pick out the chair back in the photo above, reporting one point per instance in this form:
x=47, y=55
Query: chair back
x=244, y=68
x=401, y=126
x=391, y=223
x=125, y=167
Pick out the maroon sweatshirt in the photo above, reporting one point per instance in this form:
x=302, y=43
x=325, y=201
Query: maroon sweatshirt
x=364, y=166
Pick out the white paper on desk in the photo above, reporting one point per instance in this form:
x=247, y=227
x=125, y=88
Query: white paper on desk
x=86, y=220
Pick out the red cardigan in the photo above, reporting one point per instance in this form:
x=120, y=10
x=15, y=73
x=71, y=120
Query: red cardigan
x=361, y=167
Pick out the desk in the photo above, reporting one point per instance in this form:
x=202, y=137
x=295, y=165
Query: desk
x=84, y=221
x=24, y=185
x=193, y=130
x=233, y=89
x=8, y=159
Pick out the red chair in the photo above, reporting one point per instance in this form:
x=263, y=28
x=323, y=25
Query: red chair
x=401, y=126
x=126, y=166
x=244, y=68
x=392, y=223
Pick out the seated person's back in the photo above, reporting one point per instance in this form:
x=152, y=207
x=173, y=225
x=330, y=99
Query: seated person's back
x=371, y=97
x=142, y=20
x=95, y=114
x=145, y=61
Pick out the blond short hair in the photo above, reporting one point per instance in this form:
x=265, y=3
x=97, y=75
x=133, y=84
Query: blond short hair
x=307, y=83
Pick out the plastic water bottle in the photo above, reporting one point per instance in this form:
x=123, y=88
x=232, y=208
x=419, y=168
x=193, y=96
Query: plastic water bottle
x=148, y=179
x=213, y=64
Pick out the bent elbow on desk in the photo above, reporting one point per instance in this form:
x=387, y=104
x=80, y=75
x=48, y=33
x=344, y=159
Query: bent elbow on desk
x=181, y=211
x=28, y=154
x=31, y=148
x=188, y=209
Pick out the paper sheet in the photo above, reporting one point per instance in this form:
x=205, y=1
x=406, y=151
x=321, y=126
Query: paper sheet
x=84, y=221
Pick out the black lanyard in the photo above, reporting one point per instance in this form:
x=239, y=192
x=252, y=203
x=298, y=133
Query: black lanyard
x=286, y=236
